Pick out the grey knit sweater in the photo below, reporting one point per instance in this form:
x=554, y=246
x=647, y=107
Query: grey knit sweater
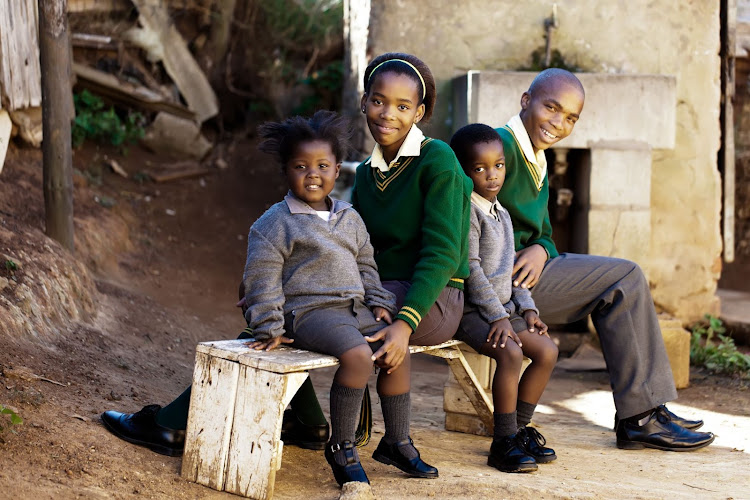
x=489, y=288
x=297, y=261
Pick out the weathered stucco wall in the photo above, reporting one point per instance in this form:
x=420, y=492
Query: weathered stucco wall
x=639, y=36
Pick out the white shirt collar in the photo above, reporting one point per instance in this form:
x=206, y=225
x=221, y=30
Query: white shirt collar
x=297, y=206
x=522, y=136
x=410, y=147
x=491, y=208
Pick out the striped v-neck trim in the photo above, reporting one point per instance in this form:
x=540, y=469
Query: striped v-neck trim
x=529, y=166
x=383, y=180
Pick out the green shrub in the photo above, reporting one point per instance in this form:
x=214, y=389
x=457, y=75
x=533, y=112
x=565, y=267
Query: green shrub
x=709, y=347
x=95, y=121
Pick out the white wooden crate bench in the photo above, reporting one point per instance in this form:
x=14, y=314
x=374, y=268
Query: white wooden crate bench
x=232, y=442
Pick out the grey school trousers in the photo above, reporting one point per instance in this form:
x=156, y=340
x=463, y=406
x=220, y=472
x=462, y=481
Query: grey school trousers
x=616, y=294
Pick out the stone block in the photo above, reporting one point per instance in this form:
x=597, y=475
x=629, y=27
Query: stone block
x=621, y=233
x=677, y=343
x=619, y=107
x=620, y=176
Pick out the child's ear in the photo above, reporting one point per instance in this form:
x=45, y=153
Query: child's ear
x=420, y=113
x=363, y=102
x=338, y=170
x=525, y=99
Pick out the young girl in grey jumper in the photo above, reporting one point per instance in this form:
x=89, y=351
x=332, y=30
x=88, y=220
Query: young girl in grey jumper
x=310, y=278
x=501, y=320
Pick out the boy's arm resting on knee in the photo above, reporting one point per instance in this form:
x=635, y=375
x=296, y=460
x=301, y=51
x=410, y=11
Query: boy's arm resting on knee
x=264, y=297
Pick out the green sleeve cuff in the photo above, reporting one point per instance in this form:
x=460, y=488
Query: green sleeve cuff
x=411, y=316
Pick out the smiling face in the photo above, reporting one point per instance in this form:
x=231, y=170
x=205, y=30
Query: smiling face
x=486, y=168
x=311, y=173
x=392, y=107
x=551, y=112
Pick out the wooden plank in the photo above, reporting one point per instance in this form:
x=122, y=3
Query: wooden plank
x=177, y=59
x=473, y=389
x=181, y=174
x=5, y=128
x=75, y=6
x=285, y=359
x=212, y=407
x=126, y=93
x=255, y=448
x=20, y=72
x=727, y=152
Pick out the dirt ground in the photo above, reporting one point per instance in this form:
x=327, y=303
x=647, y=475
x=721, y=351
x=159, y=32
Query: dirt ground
x=164, y=277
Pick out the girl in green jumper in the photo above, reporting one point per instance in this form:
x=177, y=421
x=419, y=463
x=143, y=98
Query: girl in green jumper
x=415, y=201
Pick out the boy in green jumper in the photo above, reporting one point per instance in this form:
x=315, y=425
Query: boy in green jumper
x=568, y=287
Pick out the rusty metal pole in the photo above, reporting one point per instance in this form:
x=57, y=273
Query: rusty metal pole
x=57, y=112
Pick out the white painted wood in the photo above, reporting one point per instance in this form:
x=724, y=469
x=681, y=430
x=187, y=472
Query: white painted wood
x=237, y=405
x=473, y=389
x=212, y=410
x=20, y=72
x=285, y=359
x=255, y=447
x=5, y=128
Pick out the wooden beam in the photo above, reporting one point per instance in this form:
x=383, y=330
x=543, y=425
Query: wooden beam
x=125, y=93
x=727, y=152
x=177, y=59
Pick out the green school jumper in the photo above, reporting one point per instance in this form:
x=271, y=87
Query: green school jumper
x=417, y=215
x=525, y=202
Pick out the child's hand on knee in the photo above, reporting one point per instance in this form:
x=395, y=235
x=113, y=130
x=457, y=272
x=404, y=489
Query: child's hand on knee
x=500, y=331
x=535, y=323
x=382, y=314
x=395, y=346
x=267, y=345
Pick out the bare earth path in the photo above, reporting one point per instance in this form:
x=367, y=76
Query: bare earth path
x=178, y=287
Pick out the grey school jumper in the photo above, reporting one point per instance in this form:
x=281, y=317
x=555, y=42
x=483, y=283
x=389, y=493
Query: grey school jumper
x=489, y=288
x=297, y=262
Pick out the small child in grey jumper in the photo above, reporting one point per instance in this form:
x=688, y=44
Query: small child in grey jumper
x=501, y=320
x=310, y=279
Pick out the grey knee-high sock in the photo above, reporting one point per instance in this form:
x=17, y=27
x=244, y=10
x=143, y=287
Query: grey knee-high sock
x=525, y=412
x=345, y=405
x=505, y=425
x=397, y=417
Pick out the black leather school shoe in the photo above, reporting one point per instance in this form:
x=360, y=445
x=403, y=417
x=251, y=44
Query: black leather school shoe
x=352, y=471
x=657, y=430
x=533, y=443
x=141, y=428
x=682, y=422
x=508, y=455
x=390, y=454
x=297, y=433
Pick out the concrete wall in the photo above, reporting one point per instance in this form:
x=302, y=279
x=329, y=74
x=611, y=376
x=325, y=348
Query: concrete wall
x=680, y=39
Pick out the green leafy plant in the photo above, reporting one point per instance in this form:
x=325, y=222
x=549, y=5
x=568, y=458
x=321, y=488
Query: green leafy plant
x=97, y=122
x=13, y=418
x=709, y=347
x=10, y=269
x=325, y=86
